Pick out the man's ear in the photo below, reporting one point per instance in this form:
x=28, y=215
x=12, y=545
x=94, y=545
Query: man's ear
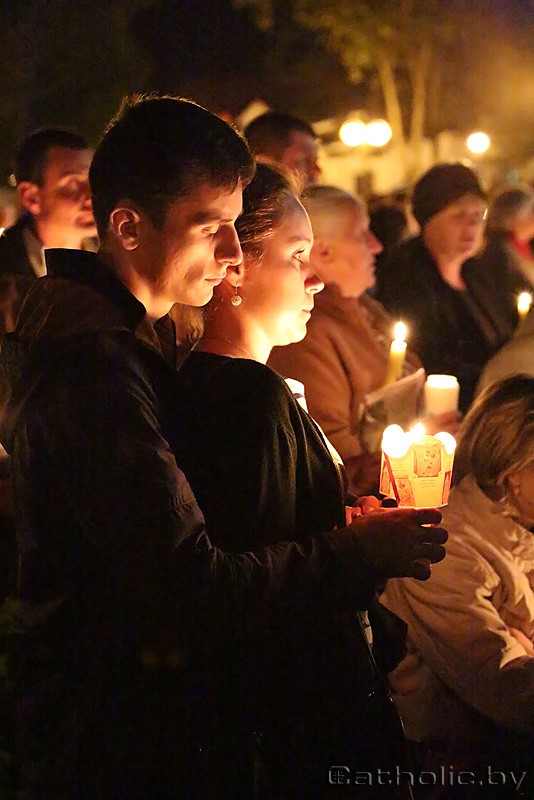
x=29, y=196
x=125, y=223
x=322, y=252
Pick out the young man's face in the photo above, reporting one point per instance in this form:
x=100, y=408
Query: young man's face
x=189, y=255
x=63, y=200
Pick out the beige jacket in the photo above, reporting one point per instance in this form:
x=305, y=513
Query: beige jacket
x=462, y=658
x=342, y=360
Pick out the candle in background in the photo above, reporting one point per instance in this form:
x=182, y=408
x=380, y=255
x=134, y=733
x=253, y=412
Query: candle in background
x=397, y=353
x=441, y=394
x=524, y=301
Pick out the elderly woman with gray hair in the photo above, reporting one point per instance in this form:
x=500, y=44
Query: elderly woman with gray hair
x=466, y=685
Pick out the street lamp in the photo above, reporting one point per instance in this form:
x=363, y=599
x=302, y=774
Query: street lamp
x=353, y=133
x=378, y=133
x=478, y=143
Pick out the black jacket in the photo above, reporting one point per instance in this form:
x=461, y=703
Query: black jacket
x=122, y=589
x=263, y=475
x=452, y=332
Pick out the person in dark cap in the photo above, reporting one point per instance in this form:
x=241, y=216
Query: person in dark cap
x=432, y=282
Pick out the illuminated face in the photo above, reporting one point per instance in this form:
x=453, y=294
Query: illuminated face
x=301, y=155
x=351, y=253
x=456, y=232
x=63, y=201
x=278, y=292
x=189, y=255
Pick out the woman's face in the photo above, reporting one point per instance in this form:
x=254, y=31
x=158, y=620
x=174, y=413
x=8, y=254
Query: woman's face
x=278, y=291
x=522, y=493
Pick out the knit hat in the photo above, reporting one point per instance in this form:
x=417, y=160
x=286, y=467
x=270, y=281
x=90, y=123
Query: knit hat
x=441, y=186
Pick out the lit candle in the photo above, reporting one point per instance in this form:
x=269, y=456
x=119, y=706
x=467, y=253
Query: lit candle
x=441, y=394
x=416, y=468
x=397, y=353
x=524, y=301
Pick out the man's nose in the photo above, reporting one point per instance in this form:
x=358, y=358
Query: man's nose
x=86, y=197
x=228, y=250
x=314, y=173
x=374, y=245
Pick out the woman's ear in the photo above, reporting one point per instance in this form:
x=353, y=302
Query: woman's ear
x=235, y=275
x=125, y=222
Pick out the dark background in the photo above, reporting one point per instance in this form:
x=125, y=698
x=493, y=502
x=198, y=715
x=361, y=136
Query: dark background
x=64, y=62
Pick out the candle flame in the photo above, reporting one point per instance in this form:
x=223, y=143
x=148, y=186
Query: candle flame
x=395, y=442
x=399, y=332
x=524, y=301
x=417, y=432
x=448, y=441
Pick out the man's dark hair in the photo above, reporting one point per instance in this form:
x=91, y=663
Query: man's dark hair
x=270, y=134
x=32, y=154
x=159, y=148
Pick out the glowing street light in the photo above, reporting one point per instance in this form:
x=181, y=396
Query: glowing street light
x=378, y=133
x=353, y=133
x=478, y=142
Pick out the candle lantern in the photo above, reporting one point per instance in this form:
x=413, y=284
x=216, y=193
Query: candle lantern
x=441, y=394
x=416, y=468
x=397, y=353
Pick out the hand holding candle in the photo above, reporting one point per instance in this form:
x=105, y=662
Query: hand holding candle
x=397, y=353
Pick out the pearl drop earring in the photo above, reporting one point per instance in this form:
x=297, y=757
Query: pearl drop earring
x=236, y=299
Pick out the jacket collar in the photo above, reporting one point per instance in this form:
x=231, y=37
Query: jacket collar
x=87, y=269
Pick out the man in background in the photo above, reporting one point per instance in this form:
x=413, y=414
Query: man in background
x=286, y=140
x=52, y=175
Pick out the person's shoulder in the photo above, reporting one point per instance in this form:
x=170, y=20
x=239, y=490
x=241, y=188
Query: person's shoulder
x=254, y=375
x=226, y=374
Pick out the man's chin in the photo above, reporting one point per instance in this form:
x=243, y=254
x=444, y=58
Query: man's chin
x=197, y=299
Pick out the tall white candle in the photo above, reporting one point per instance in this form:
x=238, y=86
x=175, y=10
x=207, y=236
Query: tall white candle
x=441, y=394
x=397, y=353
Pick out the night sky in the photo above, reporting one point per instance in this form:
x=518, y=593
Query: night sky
x=66, y=63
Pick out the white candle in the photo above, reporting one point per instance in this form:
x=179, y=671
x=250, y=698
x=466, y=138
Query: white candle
x=524, y=301
x=441, y=394
x=397, y=353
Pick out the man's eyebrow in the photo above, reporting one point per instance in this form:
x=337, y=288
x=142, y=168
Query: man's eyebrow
x=206, y=217
x=73, y=173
